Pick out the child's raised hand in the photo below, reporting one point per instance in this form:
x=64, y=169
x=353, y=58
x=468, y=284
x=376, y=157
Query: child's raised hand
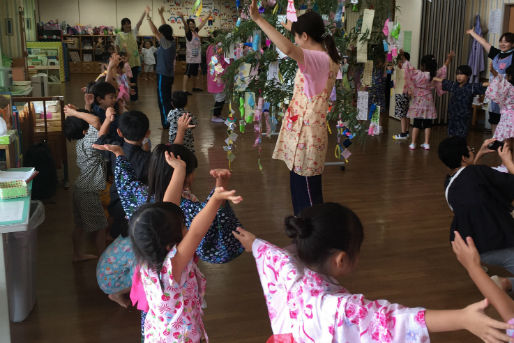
x=174, y=162
x=184, y=122
x=148, y=9
x=470, y=31
x=254, y=10
x=69, y=110
x=110, y=114
x=479, y=324
x=451, y=54
x=466, y=252
x=115, y=149
x=246, y=238
x=287, y=25
x=221, y=194
x=222, y=176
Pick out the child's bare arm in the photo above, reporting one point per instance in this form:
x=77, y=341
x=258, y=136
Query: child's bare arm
x=91, y=119
x=174, y=190
x=109, y=118
x=183, y=124
x=505, y=153
x=468, y=256
x=449, y=58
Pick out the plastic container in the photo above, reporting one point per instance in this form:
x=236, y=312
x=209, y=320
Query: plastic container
x=21, y=261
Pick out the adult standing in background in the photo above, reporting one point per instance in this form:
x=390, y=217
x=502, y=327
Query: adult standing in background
x=501, y=60
x=165, y=69
x=126, y=41
x=193, y=50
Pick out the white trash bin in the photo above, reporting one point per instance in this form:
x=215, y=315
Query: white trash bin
x=21, y=261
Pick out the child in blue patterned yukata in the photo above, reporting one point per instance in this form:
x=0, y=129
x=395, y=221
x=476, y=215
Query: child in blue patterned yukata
x=459, y=107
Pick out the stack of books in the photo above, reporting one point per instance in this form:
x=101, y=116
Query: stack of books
x=14, y=182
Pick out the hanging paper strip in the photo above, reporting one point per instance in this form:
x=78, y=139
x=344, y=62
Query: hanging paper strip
x=197, y=7
x=291, y=11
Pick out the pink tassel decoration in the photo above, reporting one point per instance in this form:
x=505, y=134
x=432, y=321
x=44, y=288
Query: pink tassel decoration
x=291, y=11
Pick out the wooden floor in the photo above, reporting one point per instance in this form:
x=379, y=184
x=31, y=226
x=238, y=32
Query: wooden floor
x=397, y=193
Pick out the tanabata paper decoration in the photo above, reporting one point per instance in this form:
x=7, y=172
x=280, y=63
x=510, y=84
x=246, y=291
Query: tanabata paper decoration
x=249, y=106
x=291, y=11
x=275, y=10
x=362, y=49
x=367, y=20
x=238, y=4
x=256, y=41
x=242, y=107
x=386, y=46
x=242, y=78
x=362, y=105
x=394, y=51
x=385, y=30
x=396, y=31
x=197, y=7
x=339, y=14
x=238, y=22
x=367, y=74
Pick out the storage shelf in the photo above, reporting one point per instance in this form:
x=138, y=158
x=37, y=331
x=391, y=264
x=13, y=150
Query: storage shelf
x=45, y=67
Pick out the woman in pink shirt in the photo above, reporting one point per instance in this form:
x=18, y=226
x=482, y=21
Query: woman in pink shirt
x=302, y=142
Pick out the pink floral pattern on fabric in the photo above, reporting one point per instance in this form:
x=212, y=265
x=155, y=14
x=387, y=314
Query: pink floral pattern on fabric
x=501, y=91
x=175, y=309
x=302, y=142
x=422, y=103
x=312, y=308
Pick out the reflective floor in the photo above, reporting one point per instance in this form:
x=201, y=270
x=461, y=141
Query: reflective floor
x=397, y=193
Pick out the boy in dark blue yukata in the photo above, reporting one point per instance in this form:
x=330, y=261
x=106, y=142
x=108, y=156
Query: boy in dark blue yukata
x=460, y=105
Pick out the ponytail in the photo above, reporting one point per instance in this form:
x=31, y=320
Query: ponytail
x=330, y=46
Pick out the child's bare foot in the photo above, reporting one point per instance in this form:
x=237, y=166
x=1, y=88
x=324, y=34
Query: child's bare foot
x=83, y=257
x=121, y=299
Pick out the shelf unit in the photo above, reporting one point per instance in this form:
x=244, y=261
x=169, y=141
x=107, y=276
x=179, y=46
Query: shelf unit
x=81, y=52
x=47, y=58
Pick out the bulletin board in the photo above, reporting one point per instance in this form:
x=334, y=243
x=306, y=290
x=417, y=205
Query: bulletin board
x=224, y=14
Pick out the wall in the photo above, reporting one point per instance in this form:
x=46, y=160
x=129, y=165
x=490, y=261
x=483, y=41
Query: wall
x=11, y=45
x=408, y=14
x=110, y=12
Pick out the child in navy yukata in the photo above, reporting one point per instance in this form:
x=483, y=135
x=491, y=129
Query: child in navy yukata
x=459, y=107
x=186, y=138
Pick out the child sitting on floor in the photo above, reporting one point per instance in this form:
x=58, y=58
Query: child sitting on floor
x=307, y=304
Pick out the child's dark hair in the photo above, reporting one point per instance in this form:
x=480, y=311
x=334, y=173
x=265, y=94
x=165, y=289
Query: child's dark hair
x=121, y=65
x=509, y=37
x=134, y=125
x=464, y=70
x=312, y=24
x=167, y=31
x=451, y=151
x=406, y=55
x=153, y=229
x=160, y=172
x=122, y=54
x=322, y=229
x=101, y=89
x=429, y=63
x=74, y=127
x=509, y=72
x=90, y=87
x=125, y=21
x=190, y=21
x=179, y=99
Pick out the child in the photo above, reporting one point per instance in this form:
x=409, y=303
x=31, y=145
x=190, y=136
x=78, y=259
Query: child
x=501, y=91
x=501, y=60
x=133, y=129
x=459, y=107
x=193, y=51
x=481, y=200
x=172, y=281
x=122, y=80
x=306, y=303
x=303, y=141
x=378, y=86
x=422, y=107
x=179, y=101
x=116, y=266
x=401, y=97
x=88, y=212
x=467, y=255
x=148, y=52
x=215, y=84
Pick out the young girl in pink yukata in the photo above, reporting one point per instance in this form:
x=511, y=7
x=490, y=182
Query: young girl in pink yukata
x=302, y=142
x=421, y=83
x=307, y=304
x=165, y=251
x=501, y=91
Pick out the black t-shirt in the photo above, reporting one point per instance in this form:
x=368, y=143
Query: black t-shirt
x=493, y=52
x=189, y=34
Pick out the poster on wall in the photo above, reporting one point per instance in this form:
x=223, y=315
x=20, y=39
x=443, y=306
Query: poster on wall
x=495, y=21
x=224, y=14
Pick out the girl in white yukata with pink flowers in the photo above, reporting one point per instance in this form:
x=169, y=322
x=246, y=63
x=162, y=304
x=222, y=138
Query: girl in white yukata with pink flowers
x=165, y=251
x=306, y=303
